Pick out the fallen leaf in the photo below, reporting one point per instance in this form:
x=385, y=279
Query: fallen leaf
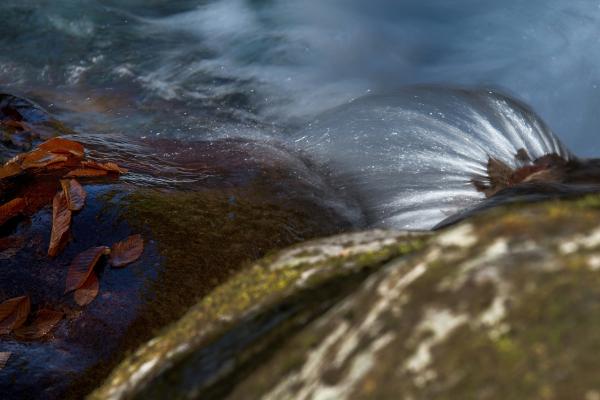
x=88, y=291
x=61, y=221
x=109, y=166
x=82, y=266
x=86, y=173
x=38, y=193
x=4, y=356
x=10, y=246
x=63, y=146
x=126, y=251
x=40, y=159
x=43, y=323
x=74, y=192
x=11, y=168
x=11, y=209
x=13, y=313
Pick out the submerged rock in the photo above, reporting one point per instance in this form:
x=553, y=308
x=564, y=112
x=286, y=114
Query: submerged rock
x=506, y=305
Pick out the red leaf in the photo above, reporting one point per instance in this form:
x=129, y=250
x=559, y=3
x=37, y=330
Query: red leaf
x=88, y=291
x=126, y=251
x=13, y=313
x=41, y=159
x=86, y=173
x=43, y=323
x=63, y=146
x=75, y=194
x=11, y=168
x=11, y=209
x=82, y=266
x=4, y=356
x=61, y=221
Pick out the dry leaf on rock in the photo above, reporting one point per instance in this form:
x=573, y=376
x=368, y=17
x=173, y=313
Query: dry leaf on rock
x=45, y=320
x=61, y=221
x=4, y=356
x=88, y=291
x=13, y=313
x=75, y=194
x=11, y=209
x=64, y=146
x=86, y=173
x=82, y=266
x=126, y=251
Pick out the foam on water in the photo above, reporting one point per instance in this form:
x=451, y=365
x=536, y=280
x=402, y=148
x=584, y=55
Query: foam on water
x=410, y=157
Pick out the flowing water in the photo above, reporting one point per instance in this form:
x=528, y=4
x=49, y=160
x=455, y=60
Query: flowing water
x=267, y=70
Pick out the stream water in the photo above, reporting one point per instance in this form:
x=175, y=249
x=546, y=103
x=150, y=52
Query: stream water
x=266, y=69
x=275, y=121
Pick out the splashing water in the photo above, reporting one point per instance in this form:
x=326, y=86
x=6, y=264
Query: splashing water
x=410, y=157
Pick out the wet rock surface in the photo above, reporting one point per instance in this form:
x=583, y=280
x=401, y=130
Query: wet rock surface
x=204, y=213
x=505, y=305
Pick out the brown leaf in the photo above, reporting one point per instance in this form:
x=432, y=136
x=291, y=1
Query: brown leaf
x=11, y=168
x=11, y=209
x=41, y=159
x=86, y=173
x=43, y=323
x=38, y=193
x=10, y=246
x=75, y=194
x=61, y=221
x=4, y=356
x=13, y=313
x=63, y=146
x=109, y=166
x=126, y=251
x=88, y=291
x=82, y=266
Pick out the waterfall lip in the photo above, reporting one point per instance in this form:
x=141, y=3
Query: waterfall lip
x=413, y=157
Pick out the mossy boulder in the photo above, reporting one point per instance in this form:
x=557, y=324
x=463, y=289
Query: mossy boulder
x=224, y=214
x=503, y=306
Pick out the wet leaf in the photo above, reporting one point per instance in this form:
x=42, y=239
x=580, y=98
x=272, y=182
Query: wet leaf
x=45, y=320
x=11, y=209
x=75, y=194
x=86, y=173
x=63, y=146
x=88, y=291
x=41, y=158
x=11, y=168
x=126, y=251
x=109, y=166
x=13, y=313
x=61, y=221
x=38, y=193
x=4, y=357
x=82, y=266
x=10, y=246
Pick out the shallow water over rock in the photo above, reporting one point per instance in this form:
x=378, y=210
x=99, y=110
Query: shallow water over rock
x=205, y=210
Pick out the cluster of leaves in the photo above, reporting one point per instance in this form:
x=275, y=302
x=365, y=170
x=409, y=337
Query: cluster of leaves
x=55, y=164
